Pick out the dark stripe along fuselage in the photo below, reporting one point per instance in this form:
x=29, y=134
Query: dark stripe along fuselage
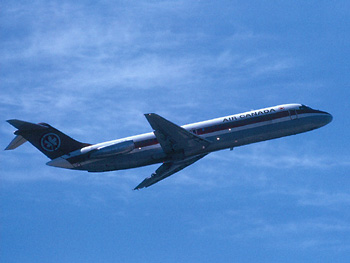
x=227, y=132
x=238, y=121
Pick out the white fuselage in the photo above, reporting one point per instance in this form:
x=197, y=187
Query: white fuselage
x=225, y=132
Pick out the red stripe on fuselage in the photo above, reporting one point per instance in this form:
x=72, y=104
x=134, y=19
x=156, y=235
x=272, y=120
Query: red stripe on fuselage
x=224, y=126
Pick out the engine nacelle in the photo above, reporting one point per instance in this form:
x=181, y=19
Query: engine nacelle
x=114, y=149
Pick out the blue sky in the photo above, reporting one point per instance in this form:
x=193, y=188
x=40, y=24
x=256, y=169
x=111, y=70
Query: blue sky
x=92, y=68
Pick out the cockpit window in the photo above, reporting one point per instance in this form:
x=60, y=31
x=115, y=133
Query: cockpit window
x=304, y=107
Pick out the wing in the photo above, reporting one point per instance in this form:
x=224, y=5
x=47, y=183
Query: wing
x=182, y=146
x=167, y=169
x=173, y=138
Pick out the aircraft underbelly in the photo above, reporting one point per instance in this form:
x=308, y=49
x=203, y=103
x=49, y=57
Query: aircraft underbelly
x=121, y=162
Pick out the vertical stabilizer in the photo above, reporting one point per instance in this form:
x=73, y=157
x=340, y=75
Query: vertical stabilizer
x=44, y=137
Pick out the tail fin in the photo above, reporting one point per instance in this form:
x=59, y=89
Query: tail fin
x=44, y=137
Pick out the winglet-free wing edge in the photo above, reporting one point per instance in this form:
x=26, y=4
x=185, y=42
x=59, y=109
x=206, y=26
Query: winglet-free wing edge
x=167, y=169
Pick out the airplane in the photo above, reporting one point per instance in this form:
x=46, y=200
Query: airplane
x=176, y=147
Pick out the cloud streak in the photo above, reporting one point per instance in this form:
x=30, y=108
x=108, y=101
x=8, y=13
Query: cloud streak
x=279, y=156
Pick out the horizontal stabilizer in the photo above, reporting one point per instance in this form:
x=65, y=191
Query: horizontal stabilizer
x=16, y=142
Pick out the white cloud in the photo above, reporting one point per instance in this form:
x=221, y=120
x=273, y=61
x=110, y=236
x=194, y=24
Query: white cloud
x=318, y=198
x=280, y=156
x=250, y=225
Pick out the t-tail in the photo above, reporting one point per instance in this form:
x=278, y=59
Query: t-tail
x=44, y=137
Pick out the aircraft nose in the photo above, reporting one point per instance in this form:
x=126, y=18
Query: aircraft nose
x=329, y=117
x=326, y=118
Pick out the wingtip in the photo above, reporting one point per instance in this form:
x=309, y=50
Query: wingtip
x=139, y=186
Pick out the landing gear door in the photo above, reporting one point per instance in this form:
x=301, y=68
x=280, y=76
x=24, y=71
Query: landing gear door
x=293, y=114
